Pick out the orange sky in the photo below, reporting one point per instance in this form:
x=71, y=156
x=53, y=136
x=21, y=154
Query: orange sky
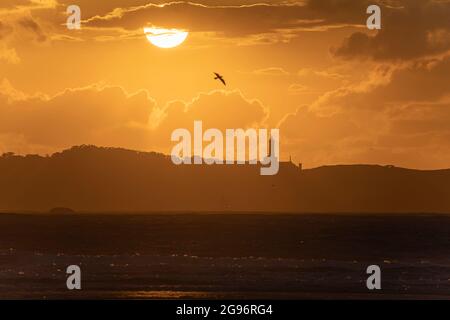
x=338, y=92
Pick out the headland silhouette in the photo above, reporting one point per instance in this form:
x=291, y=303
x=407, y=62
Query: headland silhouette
x=97, y=179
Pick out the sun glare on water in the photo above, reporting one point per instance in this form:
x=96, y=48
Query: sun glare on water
x=165, y=38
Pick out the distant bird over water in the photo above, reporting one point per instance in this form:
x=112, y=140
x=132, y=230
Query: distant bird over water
x=219, y=77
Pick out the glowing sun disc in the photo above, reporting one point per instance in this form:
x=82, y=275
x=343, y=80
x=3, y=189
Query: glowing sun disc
x=165, y=38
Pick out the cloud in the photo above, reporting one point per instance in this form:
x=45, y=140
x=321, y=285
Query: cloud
x=308, y=72
x=217, y=109
x=307, y=126
x=388, y=86
x=271, y=71
x=29, y=24
x=414, y=29
x=297, y=88
x=8, y=55
x=95, y=114
x=14, y=30
x=398, y=115
x=109, y=116
x=235, y=20
x=254, y=21
x=14, y=7
x=5, y=30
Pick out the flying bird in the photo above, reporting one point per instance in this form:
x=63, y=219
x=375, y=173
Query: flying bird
x=219, y=77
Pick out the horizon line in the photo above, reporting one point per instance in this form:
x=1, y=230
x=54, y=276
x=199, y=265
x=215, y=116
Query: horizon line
x=298, y=165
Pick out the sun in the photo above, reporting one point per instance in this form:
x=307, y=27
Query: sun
x=166, y=38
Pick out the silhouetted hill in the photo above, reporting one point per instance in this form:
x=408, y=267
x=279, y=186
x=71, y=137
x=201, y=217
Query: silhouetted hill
x=88, y=178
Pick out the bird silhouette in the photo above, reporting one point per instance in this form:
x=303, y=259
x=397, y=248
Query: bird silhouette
x=219, y=77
